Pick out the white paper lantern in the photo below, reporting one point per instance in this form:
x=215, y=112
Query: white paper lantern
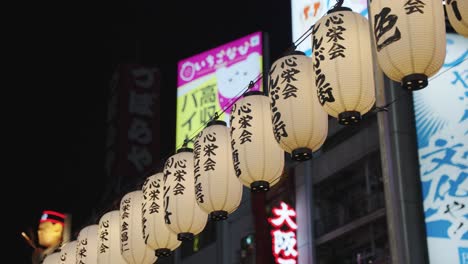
x=258, y=160
x=155, y=232
x=53, y=258
x=86, y=250
x=343, y=65
x=300, y=124
x=68, y=252
x=109, y=239
x=182, y=214
x=457, y=13
x=218, y=190
x=410, y=39
x=132, y=246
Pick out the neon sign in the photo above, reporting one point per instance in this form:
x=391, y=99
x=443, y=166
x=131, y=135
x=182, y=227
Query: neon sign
x=283, y=234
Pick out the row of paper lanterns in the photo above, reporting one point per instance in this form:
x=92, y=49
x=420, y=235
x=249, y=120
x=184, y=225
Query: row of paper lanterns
x=206, y=182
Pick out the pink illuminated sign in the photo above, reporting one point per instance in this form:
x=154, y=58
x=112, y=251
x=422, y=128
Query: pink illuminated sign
x=284, y=234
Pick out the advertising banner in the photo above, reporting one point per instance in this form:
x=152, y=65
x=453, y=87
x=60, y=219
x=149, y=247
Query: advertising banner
x=211, y=82
x=304, y=14
x=441, y=112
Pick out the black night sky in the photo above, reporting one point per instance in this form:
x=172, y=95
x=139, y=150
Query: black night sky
x=66, y=54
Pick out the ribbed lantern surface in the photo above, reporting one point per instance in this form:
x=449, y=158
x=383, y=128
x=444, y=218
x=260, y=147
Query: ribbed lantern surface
x=300, y=124
x=343, y=65
x=217, y=188
x=182, y=214
x=86, y=250
x=109, y=239
x=132, y=246
x=457, y=13
x=410, y=39
x=155, y=232
x=258, y=160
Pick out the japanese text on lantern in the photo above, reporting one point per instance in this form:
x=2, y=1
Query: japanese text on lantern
x=151, y=204
x=82, y=251
x=125, y=215
x=324, y=89
x=196, y=156
x=104, y=237
x=283, y=234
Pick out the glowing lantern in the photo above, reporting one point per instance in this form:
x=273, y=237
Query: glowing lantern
x=182, y=214
x=343, y=65
x=109, y=239
x=410, y=39
x=258, y=159
x=155, y=232
x=132, y=246
x=53, y=258
x=457, y=13
x=218, y=190
x=86, y=250
x=300, y=124
x=68, y=253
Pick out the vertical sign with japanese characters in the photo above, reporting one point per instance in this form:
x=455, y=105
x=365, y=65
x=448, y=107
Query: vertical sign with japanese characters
x=132, y=144
x=210, y=83
x=304, y=14
x=441, y=112
x=283, y=234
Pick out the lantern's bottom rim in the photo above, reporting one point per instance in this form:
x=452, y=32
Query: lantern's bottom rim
x=301, y=154
x=185, y=236
x=349, y=118
x=414, y=82
x=163, y=252
x=260, y=186
x=218, y=215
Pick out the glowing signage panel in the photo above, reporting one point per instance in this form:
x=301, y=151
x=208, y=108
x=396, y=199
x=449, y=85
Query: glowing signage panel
x=283, y=234
x=210, y=83
x=441, y=112
x=304, y=14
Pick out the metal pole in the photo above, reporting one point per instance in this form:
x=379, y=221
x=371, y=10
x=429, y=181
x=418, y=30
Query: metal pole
x=400, y=171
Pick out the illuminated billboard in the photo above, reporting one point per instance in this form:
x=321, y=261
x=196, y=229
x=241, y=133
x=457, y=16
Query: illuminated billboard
x=441, y=112
x=304, y=13
x=210, y=83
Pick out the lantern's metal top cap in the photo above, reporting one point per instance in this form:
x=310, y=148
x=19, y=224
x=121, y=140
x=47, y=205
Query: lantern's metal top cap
x=291, y=52
x=216, y=122
x=184, y=149
x=249, y=93
x=339, y=8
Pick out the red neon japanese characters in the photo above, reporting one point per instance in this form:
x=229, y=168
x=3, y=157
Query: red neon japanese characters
x=284, y=234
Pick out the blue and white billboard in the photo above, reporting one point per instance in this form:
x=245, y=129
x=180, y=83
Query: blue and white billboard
x=304, y=14
x=441, y=112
